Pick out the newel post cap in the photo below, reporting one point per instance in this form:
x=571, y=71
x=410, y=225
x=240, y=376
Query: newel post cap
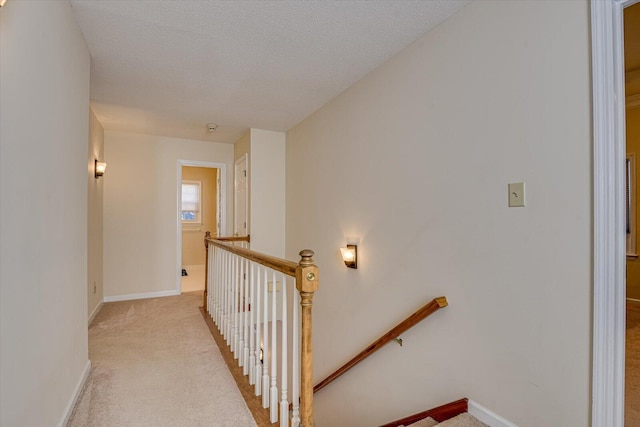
x=307, y=272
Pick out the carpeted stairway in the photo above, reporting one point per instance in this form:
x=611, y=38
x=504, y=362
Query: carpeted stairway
x=154, y=363
x=462, y=420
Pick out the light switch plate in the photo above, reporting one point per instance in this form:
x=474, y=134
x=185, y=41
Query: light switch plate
x=516, y=194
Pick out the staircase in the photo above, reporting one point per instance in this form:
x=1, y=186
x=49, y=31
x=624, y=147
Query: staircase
x=463, y=420
x=250, y=300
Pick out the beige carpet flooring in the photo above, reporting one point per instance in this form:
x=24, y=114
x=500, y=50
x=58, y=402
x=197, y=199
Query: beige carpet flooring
x=632, y=380
x=154, y=363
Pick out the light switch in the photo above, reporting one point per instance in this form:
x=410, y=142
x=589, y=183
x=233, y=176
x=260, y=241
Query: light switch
x=516, y=194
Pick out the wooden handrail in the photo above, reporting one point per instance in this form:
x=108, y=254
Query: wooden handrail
x=428, y=309
x=246, y=238
x=440, y=414
x=282, y=265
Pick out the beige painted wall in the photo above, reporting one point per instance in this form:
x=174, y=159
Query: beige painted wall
x=193, y=250
x=266, y=172
x=44, y=116
x=141, y=209
x=498, y=93
x=267, y=196
x=94, y=219
x=633, y=146
x=242, y=146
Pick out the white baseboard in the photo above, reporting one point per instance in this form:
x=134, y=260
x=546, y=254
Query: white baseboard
x=76, y=394
x=94, y=312
x=487, y=416
x=141, y=296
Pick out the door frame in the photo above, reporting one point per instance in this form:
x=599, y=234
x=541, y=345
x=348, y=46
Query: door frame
x=609, y=240
x=244, y=158
x=222, y=208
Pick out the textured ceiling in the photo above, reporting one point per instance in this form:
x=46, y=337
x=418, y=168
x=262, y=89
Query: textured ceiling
x=169, y=67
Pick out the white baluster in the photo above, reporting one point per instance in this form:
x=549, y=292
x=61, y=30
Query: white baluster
x=229, y=303
x=240, y=308
x=207, y=280
x=225, y=294
x=273, y=398
x=221, y=291
x=252, y=343
x=225, y=304
x=219, y=287
x=236, y=282
x=225, y=284
x=212, y=278
x=295, y=380
x=216, y=283
x=223, y=287
x=265, y=340
x=229, y=313
x=211, y=283
x=258, y=347
x=284, y=403
x=246, y=316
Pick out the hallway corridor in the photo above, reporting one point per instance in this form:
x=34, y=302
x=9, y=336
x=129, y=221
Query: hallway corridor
x=154, y=363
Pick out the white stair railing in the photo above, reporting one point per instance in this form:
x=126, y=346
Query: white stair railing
x=251, y=297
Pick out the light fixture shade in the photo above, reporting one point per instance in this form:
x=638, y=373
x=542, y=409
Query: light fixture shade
x=350, y=256
x=100, y=167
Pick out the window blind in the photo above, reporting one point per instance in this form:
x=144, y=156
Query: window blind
x=191, y=197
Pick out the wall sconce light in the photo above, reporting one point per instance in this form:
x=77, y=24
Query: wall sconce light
x=350, y=256
x=99, y=168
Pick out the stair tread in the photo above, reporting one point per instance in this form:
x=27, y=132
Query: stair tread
x=463, y=420
x=425, y=422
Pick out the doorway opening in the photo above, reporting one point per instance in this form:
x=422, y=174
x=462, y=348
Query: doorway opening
x=201, y=207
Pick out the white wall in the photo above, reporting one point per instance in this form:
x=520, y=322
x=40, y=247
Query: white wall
x=94, y=219
x=44, y=113
x=414, y=160
x=141, y=205
x=267, y=195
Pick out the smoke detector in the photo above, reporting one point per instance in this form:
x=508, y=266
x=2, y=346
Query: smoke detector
x=212, y=127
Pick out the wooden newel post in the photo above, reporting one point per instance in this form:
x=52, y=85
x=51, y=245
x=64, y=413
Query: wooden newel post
x=307, y=284
x=207, y=235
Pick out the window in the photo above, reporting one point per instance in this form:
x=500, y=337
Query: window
x=191, y=206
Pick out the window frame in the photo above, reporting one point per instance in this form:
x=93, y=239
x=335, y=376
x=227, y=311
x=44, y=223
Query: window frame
x=197, y=221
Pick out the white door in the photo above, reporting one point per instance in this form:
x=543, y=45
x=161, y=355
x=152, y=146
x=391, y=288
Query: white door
x=219, y=231
x=241, y=218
